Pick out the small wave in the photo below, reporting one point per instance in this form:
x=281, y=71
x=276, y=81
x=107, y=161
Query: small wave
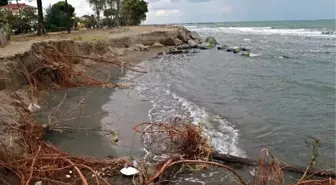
x=167, y=104
x=255, y=54
x=267, y=31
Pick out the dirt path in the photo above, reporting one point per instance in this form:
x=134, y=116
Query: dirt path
x=20, y=44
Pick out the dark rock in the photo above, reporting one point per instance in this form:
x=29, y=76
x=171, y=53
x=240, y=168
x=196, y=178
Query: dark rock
x=222, y=47
x=230, y=49
x=175, y=51
x=184, y=46
x=211, y=40
x=245, y=49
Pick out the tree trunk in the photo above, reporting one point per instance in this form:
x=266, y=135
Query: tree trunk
x=40, y=27
x=68, y=14
x=118, y=12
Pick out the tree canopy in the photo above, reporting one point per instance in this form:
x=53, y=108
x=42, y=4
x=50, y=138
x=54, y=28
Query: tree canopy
x=3, y=2
x=110, y=12
x=133, y=12
x=57, y=16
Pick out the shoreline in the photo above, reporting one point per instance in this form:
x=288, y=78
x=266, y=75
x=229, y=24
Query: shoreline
x=41, y=69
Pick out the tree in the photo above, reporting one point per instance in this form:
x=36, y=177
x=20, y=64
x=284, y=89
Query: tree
x=109, y=14
x=89, y=21
x=57, y=16
x=3, y=2
x=98, y=6
x=118, y=13
x=134, y=11
x=28, y=19
x=40, y=27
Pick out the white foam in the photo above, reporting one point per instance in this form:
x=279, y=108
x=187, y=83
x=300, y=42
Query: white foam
x=167, y=104
x=264, y=31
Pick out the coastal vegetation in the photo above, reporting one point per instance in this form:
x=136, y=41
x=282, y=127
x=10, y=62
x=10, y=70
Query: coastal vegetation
x=62, y=16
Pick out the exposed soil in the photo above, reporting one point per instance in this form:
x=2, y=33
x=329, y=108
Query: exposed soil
x=31, y=66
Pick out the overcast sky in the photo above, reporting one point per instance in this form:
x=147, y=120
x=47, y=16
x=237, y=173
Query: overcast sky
x=181, y=11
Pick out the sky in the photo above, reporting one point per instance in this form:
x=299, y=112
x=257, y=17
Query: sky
x=186, y=11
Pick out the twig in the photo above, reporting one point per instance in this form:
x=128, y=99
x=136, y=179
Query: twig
x=32, y=166
x=78, y=171
x=169, y=163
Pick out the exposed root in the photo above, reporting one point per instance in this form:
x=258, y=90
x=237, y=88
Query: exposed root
x=178, y=138
x=53, y=70
x=43, y=162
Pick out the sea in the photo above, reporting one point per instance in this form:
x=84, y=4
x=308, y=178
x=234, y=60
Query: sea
x=279, y=98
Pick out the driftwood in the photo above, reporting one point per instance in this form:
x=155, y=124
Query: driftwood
x=225, y=158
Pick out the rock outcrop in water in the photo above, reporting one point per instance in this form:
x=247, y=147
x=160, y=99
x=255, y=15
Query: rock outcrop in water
x=211, y=40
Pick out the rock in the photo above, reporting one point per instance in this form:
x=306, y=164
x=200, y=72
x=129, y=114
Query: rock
x=203, y=46
x=211, y=40
x=157, y=45
x=170, y=41
x=194, y=35
x=284, y=56
x=184, y=46
x=178, y=42
x=229, y=49
x=38, y=183
x=183, y=34
x=246, y=53
x=222, y=47
x=138, y=47
x=236, y=50
x=192, y=43
x=244, y=49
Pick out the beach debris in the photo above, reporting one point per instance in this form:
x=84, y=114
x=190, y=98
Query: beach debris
x=32, y=107
x=67, y=176
x=38, y=183
x=211, y=40
x=157, y=45
x=129, y=171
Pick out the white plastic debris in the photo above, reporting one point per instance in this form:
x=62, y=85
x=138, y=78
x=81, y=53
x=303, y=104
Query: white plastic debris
x=67, y=176
x=33, y=107
x=70, y=172
x=38, y=183
x=128, y=171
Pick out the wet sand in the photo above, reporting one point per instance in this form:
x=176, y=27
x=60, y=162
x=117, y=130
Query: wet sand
x=120, y=108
